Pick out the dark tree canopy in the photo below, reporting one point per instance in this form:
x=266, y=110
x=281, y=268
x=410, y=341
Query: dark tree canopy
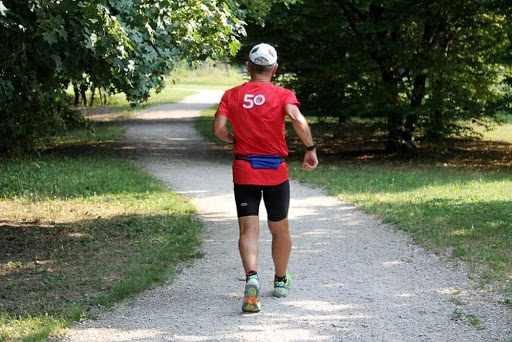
x=426, y=68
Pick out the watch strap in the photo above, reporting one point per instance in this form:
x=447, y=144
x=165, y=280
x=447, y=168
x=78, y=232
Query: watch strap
x=310, y=148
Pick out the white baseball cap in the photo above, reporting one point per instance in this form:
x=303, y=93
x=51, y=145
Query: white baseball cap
x=263, y=54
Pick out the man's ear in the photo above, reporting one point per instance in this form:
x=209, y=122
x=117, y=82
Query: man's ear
x=274, y=69
x=248, y=66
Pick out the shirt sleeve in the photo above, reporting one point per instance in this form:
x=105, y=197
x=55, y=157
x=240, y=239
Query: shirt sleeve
x=290, y=98
x=223, y=106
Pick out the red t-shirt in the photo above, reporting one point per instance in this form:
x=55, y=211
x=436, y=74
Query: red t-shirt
x=256, y=112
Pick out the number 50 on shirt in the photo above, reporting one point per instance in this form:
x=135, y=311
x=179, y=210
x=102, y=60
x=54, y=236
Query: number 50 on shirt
x=251, y=100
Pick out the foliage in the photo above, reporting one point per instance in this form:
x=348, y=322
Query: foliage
x=258, y=11
x=121, y=46
x=426, y=67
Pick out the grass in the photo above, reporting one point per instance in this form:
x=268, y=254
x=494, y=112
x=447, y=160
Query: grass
x=182, y=82
x=500, y=133
x=460, y=316
x=30, y=328
x=94, y=133
x=203, y=124
x=464, y=211
x=456, y=201
x=207, y=75
x=80, y=233
x=166, y=95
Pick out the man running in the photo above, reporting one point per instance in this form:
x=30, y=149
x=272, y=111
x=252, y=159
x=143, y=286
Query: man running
x=256, y=111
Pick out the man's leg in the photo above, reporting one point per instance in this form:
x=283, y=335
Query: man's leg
x=277, y=202
x=248, y=242
x=247, y=200
x=248, y=246
x=281, y=245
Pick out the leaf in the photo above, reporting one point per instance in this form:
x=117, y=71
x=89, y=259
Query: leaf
x=234, y=46
x=50, y=37
x=3, y=9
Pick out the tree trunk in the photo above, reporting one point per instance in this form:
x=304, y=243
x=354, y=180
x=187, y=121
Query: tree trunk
x=435, y=128
x=342, y=119
x=91, y=100
x=83, y=93
x=395, y=130
x=76, y=92
x=418, y=94
x=395, y=141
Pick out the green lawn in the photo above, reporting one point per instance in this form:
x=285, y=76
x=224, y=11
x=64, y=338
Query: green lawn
x=118, y=108
x=82, y=232
x=463, y=211
x=501, y=132
x=207, y=75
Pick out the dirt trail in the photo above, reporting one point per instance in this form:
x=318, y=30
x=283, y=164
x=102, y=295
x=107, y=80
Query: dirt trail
x=356, y=279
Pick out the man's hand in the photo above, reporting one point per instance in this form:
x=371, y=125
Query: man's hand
x=310, y=161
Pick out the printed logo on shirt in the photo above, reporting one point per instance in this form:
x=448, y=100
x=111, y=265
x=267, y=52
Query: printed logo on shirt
x=251, y=100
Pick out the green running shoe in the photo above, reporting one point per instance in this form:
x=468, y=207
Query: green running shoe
x=252, y=295
x=281, y=288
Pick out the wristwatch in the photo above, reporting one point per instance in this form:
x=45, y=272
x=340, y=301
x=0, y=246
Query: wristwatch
x=310, y=148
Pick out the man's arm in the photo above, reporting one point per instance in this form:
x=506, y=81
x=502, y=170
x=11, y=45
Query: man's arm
x=220, y=129
x=301, y=127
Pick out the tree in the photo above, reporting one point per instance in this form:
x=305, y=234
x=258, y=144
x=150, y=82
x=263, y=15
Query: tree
x=120, y=45
x=425, y=67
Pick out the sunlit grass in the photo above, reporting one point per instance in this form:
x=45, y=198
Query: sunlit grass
x=28, y=328
x=204, y=123
x=183, y=81
x=462, y=211
x=207, y=75
x=81, y=233
x=501, y=132
x=168, y=94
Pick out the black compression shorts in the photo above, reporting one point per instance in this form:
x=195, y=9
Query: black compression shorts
x=275, y=197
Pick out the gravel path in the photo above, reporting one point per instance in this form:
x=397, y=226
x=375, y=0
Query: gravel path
x=356, y=279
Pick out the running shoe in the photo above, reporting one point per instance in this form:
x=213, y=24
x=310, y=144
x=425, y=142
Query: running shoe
x=251, y=295
x=281, y=287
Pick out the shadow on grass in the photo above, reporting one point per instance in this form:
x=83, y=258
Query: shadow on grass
x=62, y=269
x=365, y=144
